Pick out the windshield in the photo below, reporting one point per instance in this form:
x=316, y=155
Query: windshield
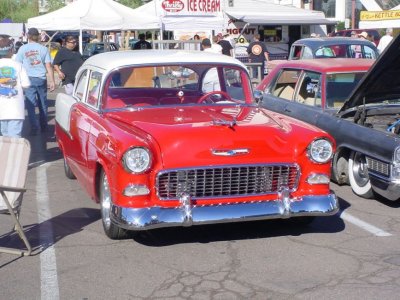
x=177, y=85
x=339, y=86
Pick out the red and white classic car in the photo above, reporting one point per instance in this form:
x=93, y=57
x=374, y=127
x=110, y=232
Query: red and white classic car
x=174, y=138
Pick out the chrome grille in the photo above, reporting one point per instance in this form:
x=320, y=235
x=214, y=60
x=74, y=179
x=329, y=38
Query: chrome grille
x=226, y=181
x=378, y=166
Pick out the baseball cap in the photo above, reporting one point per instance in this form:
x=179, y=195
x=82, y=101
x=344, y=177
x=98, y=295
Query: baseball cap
x=33, y=31
x=363, y=34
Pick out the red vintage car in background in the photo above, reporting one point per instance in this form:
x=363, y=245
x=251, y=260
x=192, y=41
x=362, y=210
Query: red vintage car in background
x=174, y=138
x=321, y=83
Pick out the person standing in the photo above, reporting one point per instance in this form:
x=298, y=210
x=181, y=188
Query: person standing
x=227, y=48
x=67, y=63
x=206, y=46
x=37, y=62
x=258, y=53
x=385, y=40
x=142, y=43
x=13, y=78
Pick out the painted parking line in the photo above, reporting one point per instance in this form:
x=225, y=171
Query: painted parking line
x=363, y=225
x=48, y=265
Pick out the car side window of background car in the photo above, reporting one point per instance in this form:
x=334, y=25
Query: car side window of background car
x=285, y=84
x=369, y=52
x=80, y=86
x=94, y=88
x=233, y=83
x=309, y=90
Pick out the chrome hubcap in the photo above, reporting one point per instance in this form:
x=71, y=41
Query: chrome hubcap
x=106, y=202
x=360, y=170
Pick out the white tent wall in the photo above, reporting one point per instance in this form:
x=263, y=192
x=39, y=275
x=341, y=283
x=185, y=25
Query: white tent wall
x=106, y=15
x=15, y=30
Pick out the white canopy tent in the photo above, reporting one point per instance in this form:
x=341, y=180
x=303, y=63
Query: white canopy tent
x=176, y=21
x=261, y=12
x=106, y=15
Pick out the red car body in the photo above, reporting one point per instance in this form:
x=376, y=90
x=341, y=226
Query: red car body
x=207, y=156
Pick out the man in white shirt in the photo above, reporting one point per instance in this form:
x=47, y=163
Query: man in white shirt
x=13, y=78
x=385, y=40
x=208, y=47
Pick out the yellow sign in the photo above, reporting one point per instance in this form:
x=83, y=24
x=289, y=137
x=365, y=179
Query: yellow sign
x=270, y=32
x=379, y=15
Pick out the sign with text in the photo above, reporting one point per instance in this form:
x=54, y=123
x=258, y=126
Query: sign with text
x=190, y=7
x=379, y=15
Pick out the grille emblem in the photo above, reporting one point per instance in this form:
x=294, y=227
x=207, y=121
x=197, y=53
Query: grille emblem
x=230, y=152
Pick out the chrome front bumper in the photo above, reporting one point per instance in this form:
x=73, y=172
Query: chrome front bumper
x=188, y=215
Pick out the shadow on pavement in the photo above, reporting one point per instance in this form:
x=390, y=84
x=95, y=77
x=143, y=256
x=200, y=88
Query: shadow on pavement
x=237, y=231
x=46, y=234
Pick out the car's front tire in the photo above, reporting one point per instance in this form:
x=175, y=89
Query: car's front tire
x=358, y=176
x=111, y=230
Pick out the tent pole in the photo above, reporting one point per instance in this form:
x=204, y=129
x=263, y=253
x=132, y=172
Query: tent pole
x=80, y=41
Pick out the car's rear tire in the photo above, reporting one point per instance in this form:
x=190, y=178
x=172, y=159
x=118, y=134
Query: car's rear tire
x=111, y=230
x=358, y=176
x=67, y=169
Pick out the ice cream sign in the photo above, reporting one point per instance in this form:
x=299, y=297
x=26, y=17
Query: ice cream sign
x=191, y=7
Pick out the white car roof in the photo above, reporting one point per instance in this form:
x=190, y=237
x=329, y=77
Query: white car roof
x=115, y=59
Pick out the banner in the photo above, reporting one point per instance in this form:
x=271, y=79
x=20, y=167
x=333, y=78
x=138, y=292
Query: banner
x=379, y=15
x=190, y=7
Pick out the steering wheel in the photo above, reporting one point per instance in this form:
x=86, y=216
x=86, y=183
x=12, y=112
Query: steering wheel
x=205, y=96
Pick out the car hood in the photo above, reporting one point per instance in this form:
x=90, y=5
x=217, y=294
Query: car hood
x=213, y=135
x=382, y=81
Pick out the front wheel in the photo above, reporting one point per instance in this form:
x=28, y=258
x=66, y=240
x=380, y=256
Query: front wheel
x=111, y=230
x=358, y=176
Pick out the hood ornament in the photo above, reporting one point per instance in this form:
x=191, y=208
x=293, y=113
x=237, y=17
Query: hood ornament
x=220, y=122
x=230, y=152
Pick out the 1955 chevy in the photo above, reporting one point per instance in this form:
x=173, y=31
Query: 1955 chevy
x=173, y=138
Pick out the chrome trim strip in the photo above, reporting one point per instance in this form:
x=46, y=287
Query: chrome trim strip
x=187, y=215
x=230, y=152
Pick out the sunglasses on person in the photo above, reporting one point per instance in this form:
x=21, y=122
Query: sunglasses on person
x=72, y=42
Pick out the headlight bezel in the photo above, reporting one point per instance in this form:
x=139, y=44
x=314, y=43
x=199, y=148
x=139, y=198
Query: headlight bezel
x=129, y=167
x=311, y=150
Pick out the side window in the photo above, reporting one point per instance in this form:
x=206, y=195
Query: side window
x=94, y=89
x=309, y=91
x=211, y=81
x=307, y=53
x=369, y=52
x=285, y=84
x=295, y=52
x=233, y=83
x=81, y=85
x=325, y=52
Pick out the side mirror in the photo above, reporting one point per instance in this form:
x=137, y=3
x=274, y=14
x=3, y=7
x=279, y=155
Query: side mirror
x=258, y=96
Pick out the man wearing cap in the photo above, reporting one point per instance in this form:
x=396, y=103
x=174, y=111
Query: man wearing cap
x=13, y=78
x=37, y=62
x=67, y=62
x=385, y=40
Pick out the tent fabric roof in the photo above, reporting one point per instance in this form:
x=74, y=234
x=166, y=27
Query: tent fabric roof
x=177, y=22
x=94, y=15
x=260, y=12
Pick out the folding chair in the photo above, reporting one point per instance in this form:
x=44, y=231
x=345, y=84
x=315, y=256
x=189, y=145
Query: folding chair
x=14, y=159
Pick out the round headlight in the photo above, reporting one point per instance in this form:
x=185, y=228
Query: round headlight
x=396, y=156
x=137, y=160
x=320, y=151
